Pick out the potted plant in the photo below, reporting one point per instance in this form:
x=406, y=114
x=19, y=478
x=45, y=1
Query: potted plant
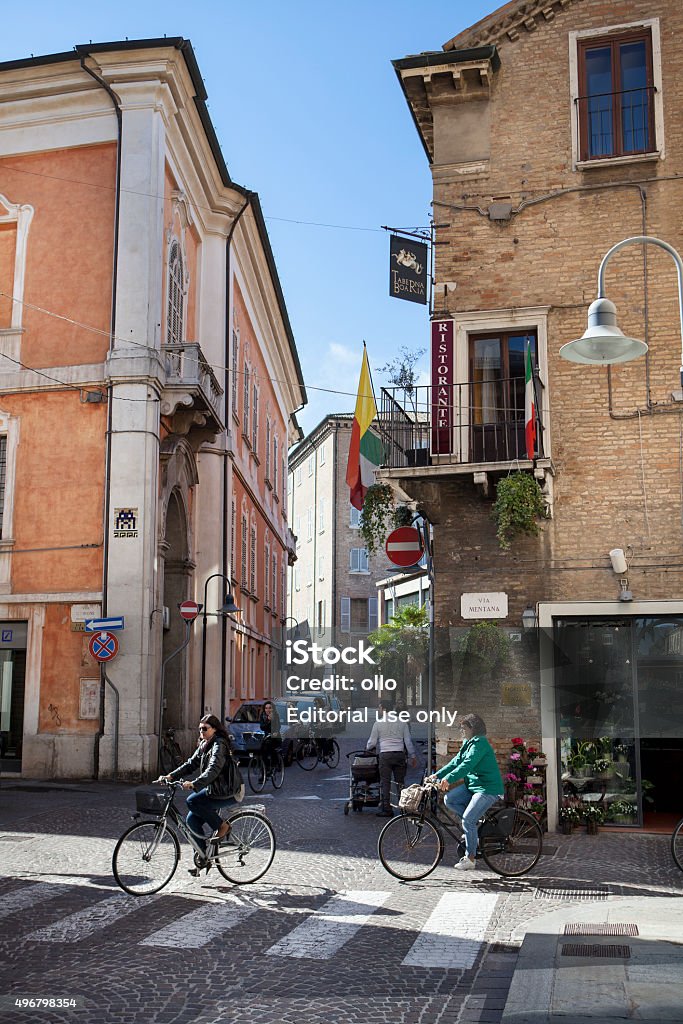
x=569, y=817
x=603, y=768
x=518, y=507
x=622, y=812
x=538, y=758
x=380, y=514
x=593, y=815
x=577, y=765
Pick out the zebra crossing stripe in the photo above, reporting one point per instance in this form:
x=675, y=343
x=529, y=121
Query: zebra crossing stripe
x=453, y=934
x=84, y=923
x=29, y=896
x=324, y=933
x=199, y=927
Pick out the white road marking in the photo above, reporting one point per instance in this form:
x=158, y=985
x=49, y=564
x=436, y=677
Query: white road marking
x=199, y=926
x=29, y=896
x=304, y=798
x=453, y=934
x=84, y=923
x=324, y=933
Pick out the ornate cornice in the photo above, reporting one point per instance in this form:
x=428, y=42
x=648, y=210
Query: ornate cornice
x=508, y=23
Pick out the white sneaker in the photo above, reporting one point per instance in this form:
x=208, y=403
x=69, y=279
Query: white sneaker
x=465, y=864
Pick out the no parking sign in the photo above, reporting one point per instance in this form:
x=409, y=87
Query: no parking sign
x=103, y=646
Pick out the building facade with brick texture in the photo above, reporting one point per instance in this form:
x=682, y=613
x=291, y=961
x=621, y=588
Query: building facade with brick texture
x=553, y=131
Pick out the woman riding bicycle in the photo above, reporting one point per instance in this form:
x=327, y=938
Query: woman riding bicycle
x=211, y=789
x=476, y=763
x=269, y=723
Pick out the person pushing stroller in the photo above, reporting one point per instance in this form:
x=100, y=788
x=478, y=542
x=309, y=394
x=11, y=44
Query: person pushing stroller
x=391, y=739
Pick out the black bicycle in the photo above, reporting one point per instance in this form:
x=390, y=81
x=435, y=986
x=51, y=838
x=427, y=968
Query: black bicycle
x=147, y=854
x=411, y=845
x=677, y=845
x=259, y=771
x=313, y=751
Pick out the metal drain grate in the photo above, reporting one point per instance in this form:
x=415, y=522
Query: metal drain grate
x=547, y=893
x=594, y=949
x=601, y=929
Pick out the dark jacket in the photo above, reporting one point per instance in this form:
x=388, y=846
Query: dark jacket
x=271, y=727
x=210, y=761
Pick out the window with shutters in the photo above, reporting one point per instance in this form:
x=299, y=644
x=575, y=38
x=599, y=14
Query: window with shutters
x=284, y=485
x=321, y=567
x=298, y=476
x=274, y=580
x=275, y=451
x=243, y=670
x=297, y=532
x=245, y=402
x=321, y=455
x=252, y=572
x=321, y=516
x=176, y=298
x=372, y=614
x=243, y=576
x=233, y=517
x=358, y=560
x=283, y=589
x=345, y=615
x=267, y=467
x=311, y=464
x=254, y=421
x=354, y=518
x=235, y=374
x=266, y=577
x=309, y=524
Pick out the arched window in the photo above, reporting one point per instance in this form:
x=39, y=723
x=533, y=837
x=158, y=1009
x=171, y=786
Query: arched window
x=174, y=319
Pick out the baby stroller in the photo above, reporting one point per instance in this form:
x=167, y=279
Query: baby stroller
x=364, y=788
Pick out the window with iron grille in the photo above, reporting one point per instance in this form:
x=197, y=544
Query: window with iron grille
x=243, y=577
x=616, y=95
x=235, y=357
x=174, y=316
x=497, y=394
x=252, y=573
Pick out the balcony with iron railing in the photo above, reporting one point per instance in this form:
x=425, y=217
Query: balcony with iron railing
x=472, y=427
x=192, y=394
x=616, y=124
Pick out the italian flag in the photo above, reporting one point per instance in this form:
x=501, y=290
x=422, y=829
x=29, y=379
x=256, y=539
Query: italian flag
x=529, y=406
x=365, y=453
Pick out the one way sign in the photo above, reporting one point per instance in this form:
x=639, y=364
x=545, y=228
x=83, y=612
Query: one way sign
x=96, y=625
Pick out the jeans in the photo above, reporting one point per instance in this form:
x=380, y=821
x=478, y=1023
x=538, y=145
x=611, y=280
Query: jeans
x=202, y=809
x=470, y=807
x=393, y=761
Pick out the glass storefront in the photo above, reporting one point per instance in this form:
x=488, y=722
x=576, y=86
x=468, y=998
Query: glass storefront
x=619, y=687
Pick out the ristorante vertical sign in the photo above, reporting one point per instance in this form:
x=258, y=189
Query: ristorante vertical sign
x=443, y=379
x=408, y=269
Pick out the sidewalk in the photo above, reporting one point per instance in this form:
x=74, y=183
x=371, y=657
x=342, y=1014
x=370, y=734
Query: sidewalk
x=614, y=952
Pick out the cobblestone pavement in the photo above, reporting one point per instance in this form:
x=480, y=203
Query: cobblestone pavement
x=326, y=936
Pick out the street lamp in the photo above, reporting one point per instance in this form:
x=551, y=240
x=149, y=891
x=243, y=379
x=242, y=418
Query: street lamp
x=529, y=618
x=227, y=609
x=603, y=342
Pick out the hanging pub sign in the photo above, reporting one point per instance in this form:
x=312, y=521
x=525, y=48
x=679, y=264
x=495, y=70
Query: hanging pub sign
x=443, y=386
x=407, y=269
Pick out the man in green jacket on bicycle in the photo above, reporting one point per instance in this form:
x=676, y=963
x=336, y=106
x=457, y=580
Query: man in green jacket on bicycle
x=476, y=764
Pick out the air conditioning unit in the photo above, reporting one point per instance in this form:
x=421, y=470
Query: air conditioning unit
x=166, y=617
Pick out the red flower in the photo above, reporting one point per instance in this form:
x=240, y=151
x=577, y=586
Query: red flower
x=517, y=741
x=532, y=750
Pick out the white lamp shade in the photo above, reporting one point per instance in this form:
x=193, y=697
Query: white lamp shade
x=603, y=343
x=618, y=560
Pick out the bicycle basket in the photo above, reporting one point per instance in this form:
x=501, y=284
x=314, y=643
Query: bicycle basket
x=151, y=801
x=412, y=799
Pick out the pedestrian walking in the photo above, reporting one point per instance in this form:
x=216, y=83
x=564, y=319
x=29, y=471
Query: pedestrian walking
x=476, y=764
x=391, y=739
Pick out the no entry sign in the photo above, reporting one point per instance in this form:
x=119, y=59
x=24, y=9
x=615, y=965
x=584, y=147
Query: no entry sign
x=189, y=610
x=103, y=646
x=403, y=546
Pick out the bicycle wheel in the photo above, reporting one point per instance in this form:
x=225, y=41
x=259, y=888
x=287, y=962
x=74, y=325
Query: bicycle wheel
x=257, y=774
x=250, y=849
x=332, y=759
x=145, y=858
x=677, y=845
x=307, y=755
x=516, y=853
x=277, y=773
x=410, y=847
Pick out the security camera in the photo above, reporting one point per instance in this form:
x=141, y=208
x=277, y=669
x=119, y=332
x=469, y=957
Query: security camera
x=618, y=560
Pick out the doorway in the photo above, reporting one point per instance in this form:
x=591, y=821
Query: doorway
x=620, y=717
x=12, y=683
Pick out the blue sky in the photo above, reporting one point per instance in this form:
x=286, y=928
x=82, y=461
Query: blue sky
x=309, y=114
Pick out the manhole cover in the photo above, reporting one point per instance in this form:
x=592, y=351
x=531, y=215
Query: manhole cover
x=596, y=950
x=601, y=929
x=547, y=893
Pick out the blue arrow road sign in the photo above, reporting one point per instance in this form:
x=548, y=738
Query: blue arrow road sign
x=95, y=625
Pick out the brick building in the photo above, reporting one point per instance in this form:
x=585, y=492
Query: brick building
x=553, y=131
x=148, y=382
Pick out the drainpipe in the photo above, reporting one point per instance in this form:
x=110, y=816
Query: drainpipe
x=227, y=392
x=107, y=471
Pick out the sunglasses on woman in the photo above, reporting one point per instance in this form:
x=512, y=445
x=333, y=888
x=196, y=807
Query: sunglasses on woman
x=204, y=728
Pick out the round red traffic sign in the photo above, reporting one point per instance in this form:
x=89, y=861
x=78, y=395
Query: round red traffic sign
x=189, y=610
x=103, y=646
x=404, y=546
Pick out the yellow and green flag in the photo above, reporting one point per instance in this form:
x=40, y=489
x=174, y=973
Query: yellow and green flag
x=366, y=451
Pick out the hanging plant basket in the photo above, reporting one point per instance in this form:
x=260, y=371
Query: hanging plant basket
x=518, y=507
x=380, y=515
x=485, y=646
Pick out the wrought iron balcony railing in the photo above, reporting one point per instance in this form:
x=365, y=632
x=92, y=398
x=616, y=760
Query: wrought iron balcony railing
x=475, y=423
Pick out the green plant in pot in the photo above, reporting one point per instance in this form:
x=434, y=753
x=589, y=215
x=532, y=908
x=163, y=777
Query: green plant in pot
x=518, y=507
x=485, y=647
x=622, y=812
x=577, y=764
x=380, y=514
